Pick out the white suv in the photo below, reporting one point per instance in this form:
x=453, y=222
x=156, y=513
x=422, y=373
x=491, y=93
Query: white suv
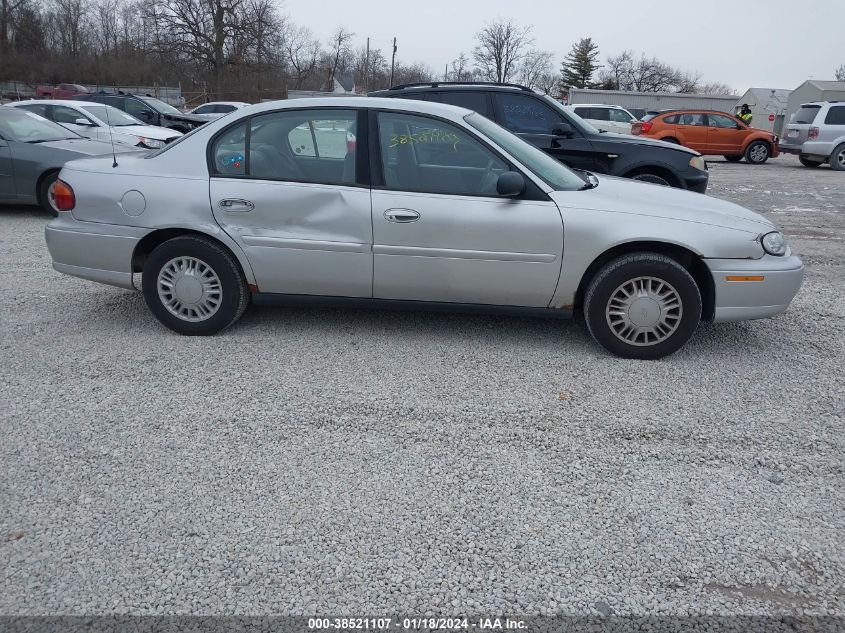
x=817, y=134
x=606, y=118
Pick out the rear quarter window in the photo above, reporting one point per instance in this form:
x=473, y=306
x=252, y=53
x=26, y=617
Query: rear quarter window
x=835, y=116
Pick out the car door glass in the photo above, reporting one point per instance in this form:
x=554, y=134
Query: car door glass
x=692, y=119
x=135, y=108
x=619, y=116
x=720, y=121
x=304, y=146
x=476, y=101
x=835, y=116
x=229, y=151
x=38, y=108
x=526, y=115
x=423, y=154
x=63, y=114
x=206, y=109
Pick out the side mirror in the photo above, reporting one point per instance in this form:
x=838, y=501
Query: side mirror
x=510, y=184
x=563, y=129
x=84, y=122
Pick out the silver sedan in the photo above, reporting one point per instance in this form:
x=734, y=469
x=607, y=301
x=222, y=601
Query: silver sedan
x=385, y=202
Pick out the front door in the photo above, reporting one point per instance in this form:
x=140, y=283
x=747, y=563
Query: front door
x=285, y=187
x=725, y=135
x=441, y=233
x=532, y=119
x=692, y=131
x=68, y=117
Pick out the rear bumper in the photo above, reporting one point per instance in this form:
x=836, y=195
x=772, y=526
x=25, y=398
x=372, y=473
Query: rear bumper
x=93, y=251
x=820, y=149
x=790, y=149
x=758, y=299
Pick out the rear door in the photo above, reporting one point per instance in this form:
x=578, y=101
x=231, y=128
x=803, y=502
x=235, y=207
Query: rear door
x=725, y=135
x=301, y=215
x=530, y=118
x=692, y=131
x=440, y=231
x=833, y=128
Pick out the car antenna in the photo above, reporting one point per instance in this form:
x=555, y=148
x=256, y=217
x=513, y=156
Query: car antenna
x=111, y=138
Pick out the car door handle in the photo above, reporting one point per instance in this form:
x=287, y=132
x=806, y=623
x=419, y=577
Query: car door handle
x=402, y=216
x=236, y=205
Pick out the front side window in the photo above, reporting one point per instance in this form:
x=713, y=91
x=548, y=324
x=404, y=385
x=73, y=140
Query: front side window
x=316, y=146
x=692, y=118
x=111, y=116
x=525, y=115
x=835, y=116
x=721, y=121
x=63, y=114
x=136, y=108
x=423, y=154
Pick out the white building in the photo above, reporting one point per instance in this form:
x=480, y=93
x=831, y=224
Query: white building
x=768, y=106
x=653, y=100
x=813, y=90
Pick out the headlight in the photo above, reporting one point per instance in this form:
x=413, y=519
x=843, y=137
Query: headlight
x=698, y=162
x=774, y=243
x=150, y=142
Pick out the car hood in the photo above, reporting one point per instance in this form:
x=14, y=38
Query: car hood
x=84, y=146
x=149, y=131
x=193, y=118
x=620, y=195
x=641, y=140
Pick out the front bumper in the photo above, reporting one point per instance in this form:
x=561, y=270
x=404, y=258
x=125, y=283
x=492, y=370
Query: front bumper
x=759, y=298
x=697, y=180
x=93, y=251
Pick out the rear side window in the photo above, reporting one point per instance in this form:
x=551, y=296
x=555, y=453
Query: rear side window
x=475, y=101
x=595, y=114
x=672, y=119
x=835, y=116
x=692, y=118
x=37, y=108
x=806, y=115
x=526, y=115
x=619, y=116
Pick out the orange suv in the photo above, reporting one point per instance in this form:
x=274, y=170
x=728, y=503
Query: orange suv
x=711, y=133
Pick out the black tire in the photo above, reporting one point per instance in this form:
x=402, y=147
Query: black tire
x=652, y=178
x=234, y=296
x=669, y=139
x=837, y=158
x=734, y=159
x=613, y=276
x=44, y=194
x=757, y=153
x=809, y=163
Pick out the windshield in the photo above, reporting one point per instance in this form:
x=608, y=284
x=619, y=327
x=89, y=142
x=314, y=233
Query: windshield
x=554, y=173
x=111, y=115
x=160, y=106
x=26, y=127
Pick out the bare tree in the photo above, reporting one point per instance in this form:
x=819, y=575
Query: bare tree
x=70, y=21
x=716, y=88
x=840, y=73
x=501, y=48
x=302, y=53
x=340, y=49
x=460, y=69
x=536, y=68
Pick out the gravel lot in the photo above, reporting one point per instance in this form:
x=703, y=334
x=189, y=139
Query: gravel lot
x=331, y=462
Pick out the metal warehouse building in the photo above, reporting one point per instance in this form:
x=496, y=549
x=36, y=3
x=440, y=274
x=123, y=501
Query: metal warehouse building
x=653, y=100
x=766, y=103
x=813, y=90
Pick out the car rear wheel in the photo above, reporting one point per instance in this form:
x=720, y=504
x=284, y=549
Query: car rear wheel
x=46, y=195
x=757, y=153
x=652, y=178
x=643, y=306
x=733, y=159
x=194, y=286
x=669, y=139
x=837, y=159
x=809, y=163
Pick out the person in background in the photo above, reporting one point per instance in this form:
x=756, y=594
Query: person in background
x=744, y=114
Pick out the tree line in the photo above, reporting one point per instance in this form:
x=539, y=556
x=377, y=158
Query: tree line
x=247, y=50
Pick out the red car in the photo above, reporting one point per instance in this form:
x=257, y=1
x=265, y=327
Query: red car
x=62, y=91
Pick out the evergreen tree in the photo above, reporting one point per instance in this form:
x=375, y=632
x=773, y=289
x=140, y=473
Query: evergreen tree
x=580, y=64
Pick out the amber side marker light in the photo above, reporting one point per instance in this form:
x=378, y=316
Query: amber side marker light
x=745, y=278
x=63, y=196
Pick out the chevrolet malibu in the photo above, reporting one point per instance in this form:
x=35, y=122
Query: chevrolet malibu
x=392, y=203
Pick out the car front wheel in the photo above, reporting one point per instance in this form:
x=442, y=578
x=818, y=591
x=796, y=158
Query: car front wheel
x=757, y=153
x=194, y=286
x=837, y=159
x=643, y=306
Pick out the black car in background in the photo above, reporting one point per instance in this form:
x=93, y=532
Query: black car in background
x=148, y=109
x=543, y=122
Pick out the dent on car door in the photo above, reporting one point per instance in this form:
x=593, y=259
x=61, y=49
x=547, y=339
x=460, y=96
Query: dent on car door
x=289, y=193
x=441, y=233
x=532, y=119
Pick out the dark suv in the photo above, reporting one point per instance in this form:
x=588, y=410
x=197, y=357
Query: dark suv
x=148, y=109
x=543, y=122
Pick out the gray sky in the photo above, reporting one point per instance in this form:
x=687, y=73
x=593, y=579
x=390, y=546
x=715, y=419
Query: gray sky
x=745, y=43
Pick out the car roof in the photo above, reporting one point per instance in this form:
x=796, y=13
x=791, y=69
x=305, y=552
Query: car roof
x=595, y=105
x=65, y=102
x=439, y=86
x=451, y=112
x=234, y=103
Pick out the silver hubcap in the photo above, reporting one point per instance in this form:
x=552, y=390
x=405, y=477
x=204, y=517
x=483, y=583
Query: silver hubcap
x=644, y=311
x=189, y=289
x=841, y=158
x=759, y=152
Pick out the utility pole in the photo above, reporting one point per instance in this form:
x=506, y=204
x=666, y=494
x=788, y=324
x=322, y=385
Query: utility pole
x=393, y=63
x=366, y=66
x=446, y=73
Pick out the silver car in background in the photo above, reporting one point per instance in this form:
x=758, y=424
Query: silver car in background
x=390, y=202
x=817, y=134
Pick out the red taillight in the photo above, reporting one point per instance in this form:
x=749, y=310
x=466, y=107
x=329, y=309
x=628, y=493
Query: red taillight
x=814, y=133
x=644, y=127
x=63, y=196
